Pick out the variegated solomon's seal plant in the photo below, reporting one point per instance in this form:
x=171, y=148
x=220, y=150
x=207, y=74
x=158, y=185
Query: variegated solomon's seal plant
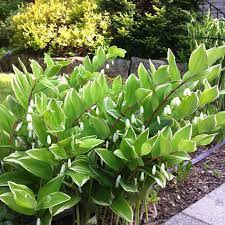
x=99, y=146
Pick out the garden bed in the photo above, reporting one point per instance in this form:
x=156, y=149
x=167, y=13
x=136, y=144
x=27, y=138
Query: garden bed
x=203, y=178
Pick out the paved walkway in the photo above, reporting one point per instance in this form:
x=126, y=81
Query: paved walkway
x=209, y=210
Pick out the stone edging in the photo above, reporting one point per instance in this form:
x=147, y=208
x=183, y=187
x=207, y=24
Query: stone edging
x=122, y=67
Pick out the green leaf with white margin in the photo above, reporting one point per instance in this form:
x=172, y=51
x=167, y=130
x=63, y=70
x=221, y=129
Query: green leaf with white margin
x=161, y=147
x=184, y=133
x=215, y=53
x=176, y=158
x=141, y=139
x=46, y=218
x=36, y=167
x=209, y=95
x=48, y=60
x=96, y=92
x=128, y=187
x=142, y=94
x=39, y=128
x=73, y=106
x=144, y=77
x=207, y=124
x=159, y=178
x=42, y=154
x=146, y=148
x=23, y=195
x=198, y=60
x=8, y=199
x=100, y=126
x=120, y=154
x=82, y=166
x=161, y=75
x=99, y=59
x=52, y=186
x=8, y=119
x=220, y=118
x=20, y=95
x=54, y=117
x=85, y=145
x=114, y=52
x=58, y=151
x=20, y=177
x=109, y=158
x=52, y=70
x=203, y=139
x=13, y=105
x=127, y=149
x=132, y=84
x=214, y=73
x=53, y=199
x=173, y=69
x=64, y=206
x=78, y=178
x=88, y=64
x=36, y=69
x=187, y=146
x=122, y=208
x=188, y=105
x=23, y=82
x=101, y=196
x=165, y=145
x=41, y=102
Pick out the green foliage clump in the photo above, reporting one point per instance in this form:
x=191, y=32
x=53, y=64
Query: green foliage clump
x=81, y=141
x=60, y=27
x=148, y=28
x=209, y=31
x=7, y=9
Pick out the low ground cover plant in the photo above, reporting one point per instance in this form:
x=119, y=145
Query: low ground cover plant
x=102, y=147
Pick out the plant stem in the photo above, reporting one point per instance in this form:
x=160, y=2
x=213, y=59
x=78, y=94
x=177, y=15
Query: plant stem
x=146, y=210
x=136, y=214
x=78, y=214
x=164, y=101
x=117, y=220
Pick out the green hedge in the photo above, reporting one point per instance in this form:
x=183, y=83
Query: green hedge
x=64, y=27
x=147, y=28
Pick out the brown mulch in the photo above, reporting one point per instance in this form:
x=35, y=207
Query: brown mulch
x=204, y=177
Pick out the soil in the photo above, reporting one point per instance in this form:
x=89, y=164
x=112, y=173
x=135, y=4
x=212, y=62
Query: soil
x=203, y=177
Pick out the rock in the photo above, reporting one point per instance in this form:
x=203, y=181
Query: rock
x=135, y=62
x=117, y=67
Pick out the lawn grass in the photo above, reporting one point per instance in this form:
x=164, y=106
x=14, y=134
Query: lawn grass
x=5, y=87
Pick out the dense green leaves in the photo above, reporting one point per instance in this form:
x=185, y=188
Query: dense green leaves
x=88, y=142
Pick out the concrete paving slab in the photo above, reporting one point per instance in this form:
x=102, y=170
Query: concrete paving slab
x=211, y=208
x=182, y=219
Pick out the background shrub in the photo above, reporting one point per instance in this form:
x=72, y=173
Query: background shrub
x=7, y=9
x=60, y=27
x=147, y=28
